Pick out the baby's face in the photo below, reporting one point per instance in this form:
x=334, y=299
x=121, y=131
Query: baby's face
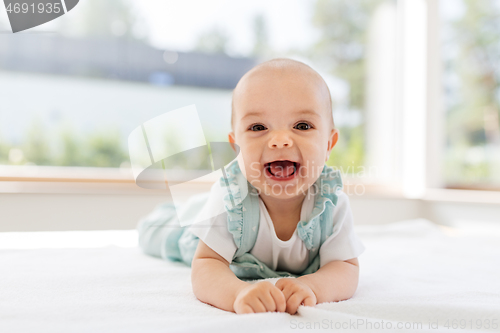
x=282, y=125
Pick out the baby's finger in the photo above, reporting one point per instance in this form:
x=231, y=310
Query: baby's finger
x=257, y=305
x=282, y=283
x=279, y=299
x=267, y=300
x=245, y=308
x=293, y=302
x=286, y=290
x=309, y=301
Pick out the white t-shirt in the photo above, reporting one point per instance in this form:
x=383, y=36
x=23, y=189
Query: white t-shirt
x=291, y=255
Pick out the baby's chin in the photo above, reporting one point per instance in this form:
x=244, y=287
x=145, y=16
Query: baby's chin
x=285, y=197
x=281, y=192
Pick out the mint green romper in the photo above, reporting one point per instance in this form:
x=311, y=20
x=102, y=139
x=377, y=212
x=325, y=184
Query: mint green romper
x=161, y=235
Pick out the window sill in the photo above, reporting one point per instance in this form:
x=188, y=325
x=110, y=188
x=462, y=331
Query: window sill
x=65, y=174
x=462, y=196
x=88, y=180
x=79, y=180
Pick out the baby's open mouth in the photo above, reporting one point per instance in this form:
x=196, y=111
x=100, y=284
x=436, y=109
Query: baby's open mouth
x=282, y=169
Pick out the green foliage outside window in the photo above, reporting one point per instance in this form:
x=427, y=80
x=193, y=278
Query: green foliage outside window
x=342, y=50
x=471, y=52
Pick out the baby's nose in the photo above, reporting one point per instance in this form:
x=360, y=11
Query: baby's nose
x=280, y=140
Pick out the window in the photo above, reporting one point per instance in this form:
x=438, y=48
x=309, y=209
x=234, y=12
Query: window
x=471, y=82
x=74, y=88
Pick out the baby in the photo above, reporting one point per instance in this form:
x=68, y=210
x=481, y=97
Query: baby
x=294, y=223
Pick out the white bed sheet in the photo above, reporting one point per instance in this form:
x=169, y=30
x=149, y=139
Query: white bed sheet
x=413, y=273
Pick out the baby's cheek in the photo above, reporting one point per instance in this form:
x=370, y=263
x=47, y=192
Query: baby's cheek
x=254, y=171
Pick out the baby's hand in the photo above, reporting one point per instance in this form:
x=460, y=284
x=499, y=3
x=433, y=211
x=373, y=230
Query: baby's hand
x=296, y=293
x=259, y=297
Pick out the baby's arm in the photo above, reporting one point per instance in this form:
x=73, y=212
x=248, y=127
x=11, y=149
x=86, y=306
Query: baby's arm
x=335, y=281
x=215, y=283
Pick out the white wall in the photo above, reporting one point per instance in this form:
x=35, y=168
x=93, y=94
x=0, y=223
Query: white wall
x=121, y=209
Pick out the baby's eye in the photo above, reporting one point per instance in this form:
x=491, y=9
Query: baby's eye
x=257, y=127
x=303, y=126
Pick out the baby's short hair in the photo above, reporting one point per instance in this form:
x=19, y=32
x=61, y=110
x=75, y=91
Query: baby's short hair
x=284, y=64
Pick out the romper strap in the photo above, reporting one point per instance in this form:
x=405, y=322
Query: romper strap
x=242, y=205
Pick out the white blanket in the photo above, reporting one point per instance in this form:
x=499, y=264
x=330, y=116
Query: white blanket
x=415, y=276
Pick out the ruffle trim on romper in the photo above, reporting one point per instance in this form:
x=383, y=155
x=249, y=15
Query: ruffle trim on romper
x=233, y=202
x=328, y=183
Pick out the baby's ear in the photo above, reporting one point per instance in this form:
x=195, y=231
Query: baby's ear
x=334, y=136
x=332, y=141
x=232, y=140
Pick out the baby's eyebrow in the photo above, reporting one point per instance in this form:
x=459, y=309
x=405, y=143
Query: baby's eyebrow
x=308, y=112
x=252, y=113
x=300, y=112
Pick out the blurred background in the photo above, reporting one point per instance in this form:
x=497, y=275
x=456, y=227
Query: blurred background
x=100, y=71
x=72, y=90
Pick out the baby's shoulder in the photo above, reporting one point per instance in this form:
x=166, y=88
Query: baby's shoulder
x=342, y=198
